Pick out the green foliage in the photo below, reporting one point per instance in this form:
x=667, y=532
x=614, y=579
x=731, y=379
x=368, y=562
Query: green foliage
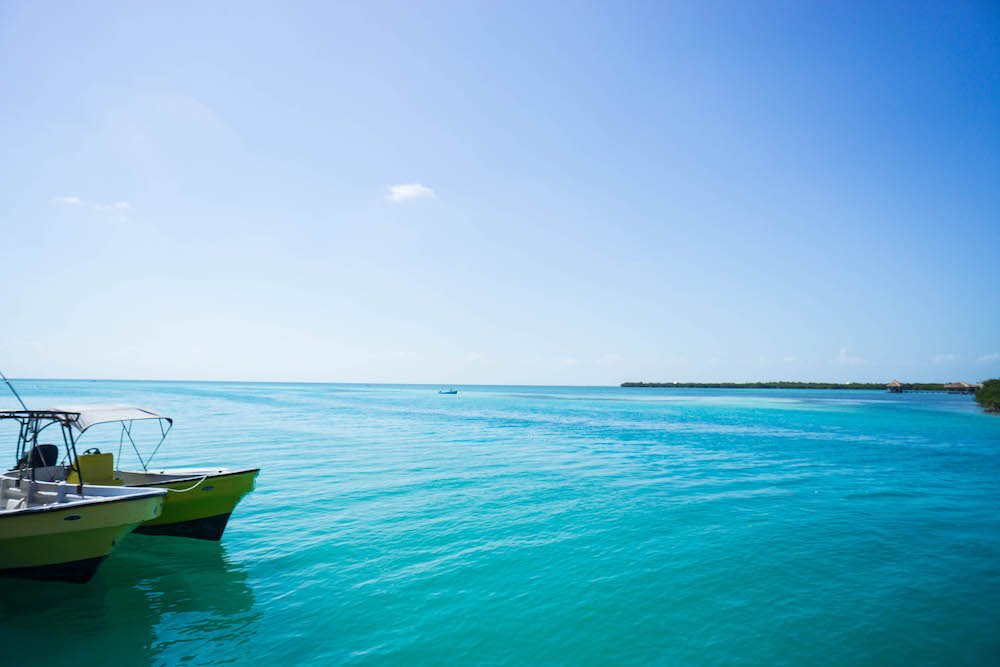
x=988, y=395
x=917, y=386
x=757, y=385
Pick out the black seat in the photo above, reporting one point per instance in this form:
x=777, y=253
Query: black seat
x=40, y=456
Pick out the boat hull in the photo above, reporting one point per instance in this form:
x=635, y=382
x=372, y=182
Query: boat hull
x=69, y=543
x=199, y=506
x=206, y=528
x=75, y=572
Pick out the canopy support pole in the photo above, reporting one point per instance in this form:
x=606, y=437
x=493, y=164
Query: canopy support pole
x=128, y=432
x=163, y=437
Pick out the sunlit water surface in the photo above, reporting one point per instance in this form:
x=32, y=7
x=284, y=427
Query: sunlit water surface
x=513, y=525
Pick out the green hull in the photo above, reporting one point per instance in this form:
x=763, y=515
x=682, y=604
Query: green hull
x=199, y=507
x=69, y=543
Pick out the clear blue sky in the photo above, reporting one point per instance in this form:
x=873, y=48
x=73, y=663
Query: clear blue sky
x=595, y=192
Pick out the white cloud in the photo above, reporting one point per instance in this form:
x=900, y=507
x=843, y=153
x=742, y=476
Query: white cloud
x=987, y=358
x=116, y=207
x=945, y=358
x=844, y=358
x=408, y=191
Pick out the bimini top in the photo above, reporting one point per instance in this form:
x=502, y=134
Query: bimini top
x=82, y=417
x=89, y=415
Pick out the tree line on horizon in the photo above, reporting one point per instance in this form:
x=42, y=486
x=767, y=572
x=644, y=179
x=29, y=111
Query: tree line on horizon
x=911, y=386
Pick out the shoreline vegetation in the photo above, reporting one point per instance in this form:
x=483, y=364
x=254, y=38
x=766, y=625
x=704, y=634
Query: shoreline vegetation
x=906, y=386
x=988, y=396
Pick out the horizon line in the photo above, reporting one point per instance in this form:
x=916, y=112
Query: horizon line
x=467, y=384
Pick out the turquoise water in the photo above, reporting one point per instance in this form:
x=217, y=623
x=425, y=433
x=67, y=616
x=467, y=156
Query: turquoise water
x=512, y=525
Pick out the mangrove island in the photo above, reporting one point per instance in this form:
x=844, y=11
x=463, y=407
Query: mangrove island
x=988, y=395
x=894, y=386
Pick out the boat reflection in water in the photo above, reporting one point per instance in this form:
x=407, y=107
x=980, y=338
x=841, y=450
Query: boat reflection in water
x=164, y=602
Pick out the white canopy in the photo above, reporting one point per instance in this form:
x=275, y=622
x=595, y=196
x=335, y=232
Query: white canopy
x=99, y=414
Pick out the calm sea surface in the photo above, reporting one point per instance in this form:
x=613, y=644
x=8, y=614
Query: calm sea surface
x=514, y=525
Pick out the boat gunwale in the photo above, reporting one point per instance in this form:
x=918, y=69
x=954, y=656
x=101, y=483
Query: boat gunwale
x=100, y=500
x=186, y=479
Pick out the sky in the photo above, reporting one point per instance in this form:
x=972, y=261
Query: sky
x=500, y=193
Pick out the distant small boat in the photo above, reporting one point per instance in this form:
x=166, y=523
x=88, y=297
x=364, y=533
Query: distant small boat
x=448, y=391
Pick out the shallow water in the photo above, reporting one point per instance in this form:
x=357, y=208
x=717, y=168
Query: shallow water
x=548, y=524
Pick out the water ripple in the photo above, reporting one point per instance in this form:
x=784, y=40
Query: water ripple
x=553, y=525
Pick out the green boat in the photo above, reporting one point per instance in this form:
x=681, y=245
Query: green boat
x=199, y=501
x=58, y=530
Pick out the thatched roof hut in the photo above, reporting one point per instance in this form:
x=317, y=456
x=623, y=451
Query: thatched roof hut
x=895, y=387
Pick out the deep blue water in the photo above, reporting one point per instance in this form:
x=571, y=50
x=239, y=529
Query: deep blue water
x=513, y=525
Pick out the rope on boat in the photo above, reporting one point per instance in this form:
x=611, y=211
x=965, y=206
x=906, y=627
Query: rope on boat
x=190, y=488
